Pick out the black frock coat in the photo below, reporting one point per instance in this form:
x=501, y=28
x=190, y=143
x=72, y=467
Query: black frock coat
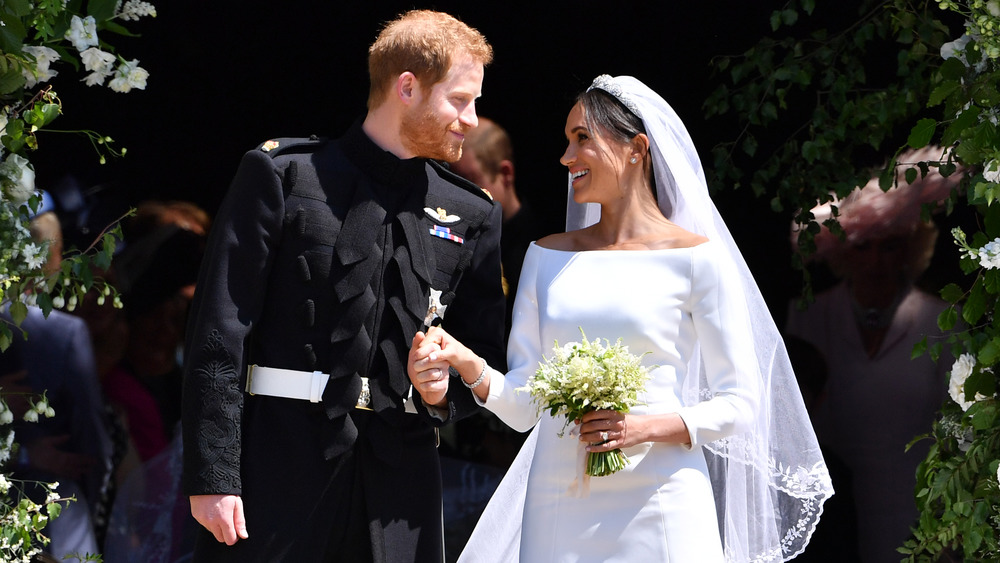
x=323, y=257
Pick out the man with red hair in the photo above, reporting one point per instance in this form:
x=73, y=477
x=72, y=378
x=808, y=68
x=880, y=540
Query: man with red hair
x=303, y=441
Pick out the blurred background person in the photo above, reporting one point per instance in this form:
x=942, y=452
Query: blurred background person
x=876, y=398
x=155, y=273
x=488, y=161
x=72, y=448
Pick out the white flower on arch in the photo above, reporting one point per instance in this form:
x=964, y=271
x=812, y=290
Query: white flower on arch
x=101, y=65
x=17, y=178
x=129, y=75
x=44, y=57
x=960, y=371
x=82, y=33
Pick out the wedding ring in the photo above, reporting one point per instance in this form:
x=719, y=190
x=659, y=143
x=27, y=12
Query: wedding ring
x=604, y=436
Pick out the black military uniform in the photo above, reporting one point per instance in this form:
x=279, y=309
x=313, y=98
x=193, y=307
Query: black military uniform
x=324, y=257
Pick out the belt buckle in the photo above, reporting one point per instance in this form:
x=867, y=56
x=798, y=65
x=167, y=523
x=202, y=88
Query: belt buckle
x=365, y=397
x=249, y=387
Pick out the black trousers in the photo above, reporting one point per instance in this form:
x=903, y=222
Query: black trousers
x=356, y=508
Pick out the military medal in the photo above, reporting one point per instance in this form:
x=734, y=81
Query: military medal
x=435, y=309
x=445, y=232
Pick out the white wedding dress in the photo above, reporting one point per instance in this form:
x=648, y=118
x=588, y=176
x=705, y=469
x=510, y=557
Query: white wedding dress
x=661, y=507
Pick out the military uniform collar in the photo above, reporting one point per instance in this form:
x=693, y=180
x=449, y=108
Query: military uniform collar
x=381, y=165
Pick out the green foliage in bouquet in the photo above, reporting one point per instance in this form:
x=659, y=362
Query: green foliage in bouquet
x=586, y=376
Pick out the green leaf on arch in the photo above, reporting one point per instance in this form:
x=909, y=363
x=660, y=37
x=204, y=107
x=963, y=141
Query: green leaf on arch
x=922, y=133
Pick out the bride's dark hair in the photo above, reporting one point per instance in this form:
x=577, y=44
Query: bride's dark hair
x=608, y=116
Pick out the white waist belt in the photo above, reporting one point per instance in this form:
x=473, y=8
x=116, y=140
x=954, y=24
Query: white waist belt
x=304, y=385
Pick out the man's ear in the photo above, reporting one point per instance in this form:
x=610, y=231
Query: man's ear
x=408, y=88
x=506, y=172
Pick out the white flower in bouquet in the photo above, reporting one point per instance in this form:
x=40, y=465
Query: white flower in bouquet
x=960, y=371
x=129, y=75
x=586, y=376
x=17, y=178
x=82, y=32
x=44, y=56
x=100, y=64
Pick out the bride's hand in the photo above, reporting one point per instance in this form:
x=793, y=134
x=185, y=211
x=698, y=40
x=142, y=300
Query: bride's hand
x=606, y=430
x=427, y=371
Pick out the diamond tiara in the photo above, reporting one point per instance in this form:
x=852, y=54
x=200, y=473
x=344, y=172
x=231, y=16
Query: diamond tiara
x=607, y=83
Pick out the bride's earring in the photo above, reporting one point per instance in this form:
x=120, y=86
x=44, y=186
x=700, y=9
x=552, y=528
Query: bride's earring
x=633, y=160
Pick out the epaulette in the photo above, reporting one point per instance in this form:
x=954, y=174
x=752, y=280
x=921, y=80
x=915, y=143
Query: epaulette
x=286, y=145
x=447, y=174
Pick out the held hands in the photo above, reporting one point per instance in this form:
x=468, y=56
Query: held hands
x=431, y=355
x=427, y=368
x=222, y=515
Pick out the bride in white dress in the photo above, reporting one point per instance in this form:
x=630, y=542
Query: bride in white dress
x=723, y=462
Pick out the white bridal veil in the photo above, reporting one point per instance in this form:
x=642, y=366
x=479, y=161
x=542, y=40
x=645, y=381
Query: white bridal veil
x=770, y=482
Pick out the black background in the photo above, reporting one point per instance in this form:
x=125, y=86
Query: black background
x=225, y=76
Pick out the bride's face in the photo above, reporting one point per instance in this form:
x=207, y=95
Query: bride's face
x=596, y=164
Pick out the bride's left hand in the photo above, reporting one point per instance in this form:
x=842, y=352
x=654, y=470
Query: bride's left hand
x=606, y=430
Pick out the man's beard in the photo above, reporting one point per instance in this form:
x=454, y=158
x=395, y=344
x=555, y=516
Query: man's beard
x=423, y=135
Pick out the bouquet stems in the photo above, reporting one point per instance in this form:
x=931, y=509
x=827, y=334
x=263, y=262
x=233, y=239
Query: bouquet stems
x=600, y=464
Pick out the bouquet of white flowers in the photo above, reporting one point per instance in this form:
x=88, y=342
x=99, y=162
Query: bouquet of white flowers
x=585, y=376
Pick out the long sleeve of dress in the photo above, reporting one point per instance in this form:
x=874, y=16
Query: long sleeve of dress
x=524, y=351
x=476, y=317
x=722, y=327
